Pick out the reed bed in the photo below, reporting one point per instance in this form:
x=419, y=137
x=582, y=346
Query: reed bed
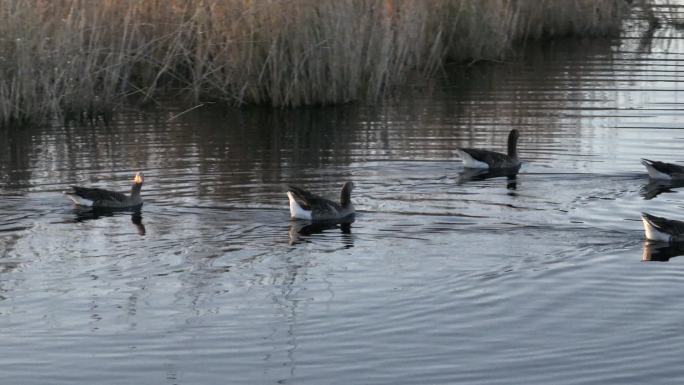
x=83, y=58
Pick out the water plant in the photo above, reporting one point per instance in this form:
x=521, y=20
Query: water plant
x=85, y=58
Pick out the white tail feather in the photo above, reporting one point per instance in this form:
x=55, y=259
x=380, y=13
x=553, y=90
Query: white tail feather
x=653, y=233
x=655, y=174
x=296, y=211
x=470, y=162
x=79, y=201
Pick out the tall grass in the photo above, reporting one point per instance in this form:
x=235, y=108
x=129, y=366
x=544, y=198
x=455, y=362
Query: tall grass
x=83, y=58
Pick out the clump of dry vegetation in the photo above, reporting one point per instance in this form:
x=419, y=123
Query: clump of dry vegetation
x=82, y=58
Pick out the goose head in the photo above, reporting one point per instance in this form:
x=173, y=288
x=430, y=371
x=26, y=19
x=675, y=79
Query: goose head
x=138, y=179
x=349, y=186
x=137, y=185
x=345, y=195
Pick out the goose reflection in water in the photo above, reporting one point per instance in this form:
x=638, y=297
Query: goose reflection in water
x=136, y=218
x=474, y=174
x=83, y=215
x=661, y=251
x=656, y=187
x=300, y=230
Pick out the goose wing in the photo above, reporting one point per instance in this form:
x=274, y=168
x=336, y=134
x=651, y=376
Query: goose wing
x=313, y=202
x=98, y=194
x=492, y=158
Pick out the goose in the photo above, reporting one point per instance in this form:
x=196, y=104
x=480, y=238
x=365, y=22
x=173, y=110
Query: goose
x=305, y=205
x=663, y=171
x=486, y=159
x=662, y=229
x=105, y=199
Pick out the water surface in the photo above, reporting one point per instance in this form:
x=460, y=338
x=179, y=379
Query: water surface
x=443, y=278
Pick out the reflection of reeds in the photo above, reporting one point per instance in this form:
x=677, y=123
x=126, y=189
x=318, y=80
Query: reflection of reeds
x=80, y=58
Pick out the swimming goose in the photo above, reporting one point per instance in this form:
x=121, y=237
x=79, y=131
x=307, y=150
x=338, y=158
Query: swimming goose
x=661, y=229
x=662, y=170
x=305, y=205
x=477, y=158
x=105, y=199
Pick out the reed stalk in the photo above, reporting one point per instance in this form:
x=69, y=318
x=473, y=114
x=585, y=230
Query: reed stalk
x=85, y=58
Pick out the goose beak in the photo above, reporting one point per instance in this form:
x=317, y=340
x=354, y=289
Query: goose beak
x=138, y=178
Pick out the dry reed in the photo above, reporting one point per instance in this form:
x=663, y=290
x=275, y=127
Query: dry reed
x=82, y=58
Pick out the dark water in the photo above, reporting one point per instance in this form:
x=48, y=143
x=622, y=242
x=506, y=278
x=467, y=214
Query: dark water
x=441, y=279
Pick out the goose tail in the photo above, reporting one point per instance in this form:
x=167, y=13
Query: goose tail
x=296, y=210
x=652, y=229
x=469, y=161
x=653, y=171
x=78, y=200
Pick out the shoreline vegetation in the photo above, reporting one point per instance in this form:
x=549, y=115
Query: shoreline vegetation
x=82, y=59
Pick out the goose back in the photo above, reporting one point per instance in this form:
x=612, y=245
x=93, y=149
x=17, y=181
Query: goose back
x=306, y=205
x=480, y=158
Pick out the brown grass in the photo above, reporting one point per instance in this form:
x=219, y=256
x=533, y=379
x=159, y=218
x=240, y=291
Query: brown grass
x=83, y=58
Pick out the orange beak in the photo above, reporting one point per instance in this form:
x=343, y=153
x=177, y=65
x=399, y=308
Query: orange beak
x=138, y=178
